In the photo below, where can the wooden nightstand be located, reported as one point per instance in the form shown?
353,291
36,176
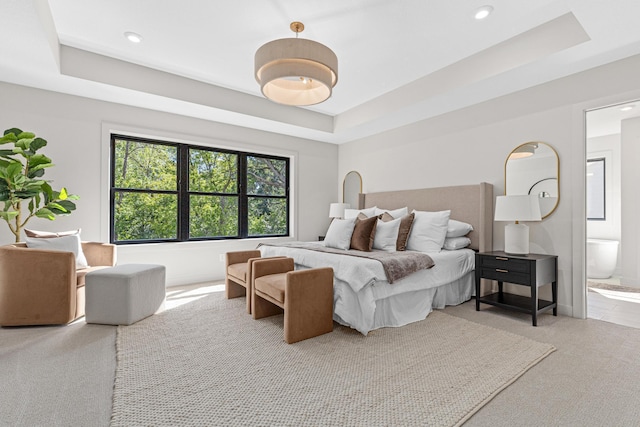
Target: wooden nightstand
533,270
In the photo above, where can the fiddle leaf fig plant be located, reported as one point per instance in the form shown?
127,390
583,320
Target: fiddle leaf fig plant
21,183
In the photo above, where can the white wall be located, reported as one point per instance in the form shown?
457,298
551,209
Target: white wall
630,241
424,158
77,130
608,147
471,145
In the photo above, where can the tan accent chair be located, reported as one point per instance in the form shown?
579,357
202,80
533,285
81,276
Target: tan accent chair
237,282
306,296
238,267
43,287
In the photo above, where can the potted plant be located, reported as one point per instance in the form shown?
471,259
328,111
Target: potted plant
21,171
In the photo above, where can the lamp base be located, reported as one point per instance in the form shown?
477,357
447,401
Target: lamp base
516,239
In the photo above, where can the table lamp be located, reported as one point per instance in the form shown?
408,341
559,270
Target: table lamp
336,210
517,208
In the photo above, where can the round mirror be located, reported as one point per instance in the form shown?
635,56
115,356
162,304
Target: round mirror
534,168
351,188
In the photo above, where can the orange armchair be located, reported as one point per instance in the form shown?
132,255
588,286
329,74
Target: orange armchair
43,287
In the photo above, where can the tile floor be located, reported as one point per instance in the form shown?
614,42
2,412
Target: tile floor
614,306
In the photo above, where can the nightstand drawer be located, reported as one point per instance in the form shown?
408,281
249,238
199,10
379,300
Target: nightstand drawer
505,263
531,270
502,275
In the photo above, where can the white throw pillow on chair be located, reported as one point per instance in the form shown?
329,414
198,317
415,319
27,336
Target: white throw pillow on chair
70,243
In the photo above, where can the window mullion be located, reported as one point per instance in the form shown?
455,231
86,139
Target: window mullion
183,193
243,204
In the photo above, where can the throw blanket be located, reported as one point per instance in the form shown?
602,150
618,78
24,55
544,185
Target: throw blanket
396,264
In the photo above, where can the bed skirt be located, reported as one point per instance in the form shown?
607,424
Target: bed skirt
405,308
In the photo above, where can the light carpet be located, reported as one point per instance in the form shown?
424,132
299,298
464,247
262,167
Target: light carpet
209,363
53,375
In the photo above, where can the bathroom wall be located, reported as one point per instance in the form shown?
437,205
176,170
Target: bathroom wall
630,242
609,148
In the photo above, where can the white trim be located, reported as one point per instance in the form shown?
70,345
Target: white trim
578,185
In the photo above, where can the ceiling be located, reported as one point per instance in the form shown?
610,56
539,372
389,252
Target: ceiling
399,61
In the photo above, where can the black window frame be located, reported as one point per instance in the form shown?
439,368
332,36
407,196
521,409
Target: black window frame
183,193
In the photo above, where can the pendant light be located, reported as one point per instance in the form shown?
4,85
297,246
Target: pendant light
295,71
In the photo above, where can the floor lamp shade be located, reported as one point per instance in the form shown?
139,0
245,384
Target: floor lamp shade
517,208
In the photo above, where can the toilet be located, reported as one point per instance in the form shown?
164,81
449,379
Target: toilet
602,257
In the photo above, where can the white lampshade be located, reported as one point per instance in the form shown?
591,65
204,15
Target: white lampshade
296,71
336,210
517,208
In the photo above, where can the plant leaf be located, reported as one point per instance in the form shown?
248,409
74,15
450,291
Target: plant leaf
63,194
24,143
14,170
37,144
23,135
10,135
56,208
36,173
47,192
39,159
45,213
67,205
8,216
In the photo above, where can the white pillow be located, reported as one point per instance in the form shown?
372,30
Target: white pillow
386,235
69,243
353,213
453,243
428,231
396,213
339,233
458,228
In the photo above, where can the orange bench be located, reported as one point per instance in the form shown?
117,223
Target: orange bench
305,296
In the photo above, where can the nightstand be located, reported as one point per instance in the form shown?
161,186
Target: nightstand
533,270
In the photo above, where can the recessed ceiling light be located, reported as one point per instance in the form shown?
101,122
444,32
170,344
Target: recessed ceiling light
627,108
133,37
483,12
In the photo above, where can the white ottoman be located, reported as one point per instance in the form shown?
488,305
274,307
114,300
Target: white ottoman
124,294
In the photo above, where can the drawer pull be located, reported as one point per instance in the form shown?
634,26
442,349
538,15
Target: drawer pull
502,258
501,270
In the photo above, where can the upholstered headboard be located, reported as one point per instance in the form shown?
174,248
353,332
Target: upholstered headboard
469,203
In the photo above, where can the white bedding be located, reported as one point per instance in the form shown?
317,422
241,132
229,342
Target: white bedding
364,299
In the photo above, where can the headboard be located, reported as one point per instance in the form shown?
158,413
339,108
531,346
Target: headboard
468,203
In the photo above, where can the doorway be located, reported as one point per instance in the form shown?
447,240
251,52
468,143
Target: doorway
613,295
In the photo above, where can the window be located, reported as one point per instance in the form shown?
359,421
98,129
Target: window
164,192
596,206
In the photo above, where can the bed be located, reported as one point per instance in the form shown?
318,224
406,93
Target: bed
363,297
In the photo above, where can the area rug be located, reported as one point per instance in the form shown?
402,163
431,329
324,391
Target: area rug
208,363
610,287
